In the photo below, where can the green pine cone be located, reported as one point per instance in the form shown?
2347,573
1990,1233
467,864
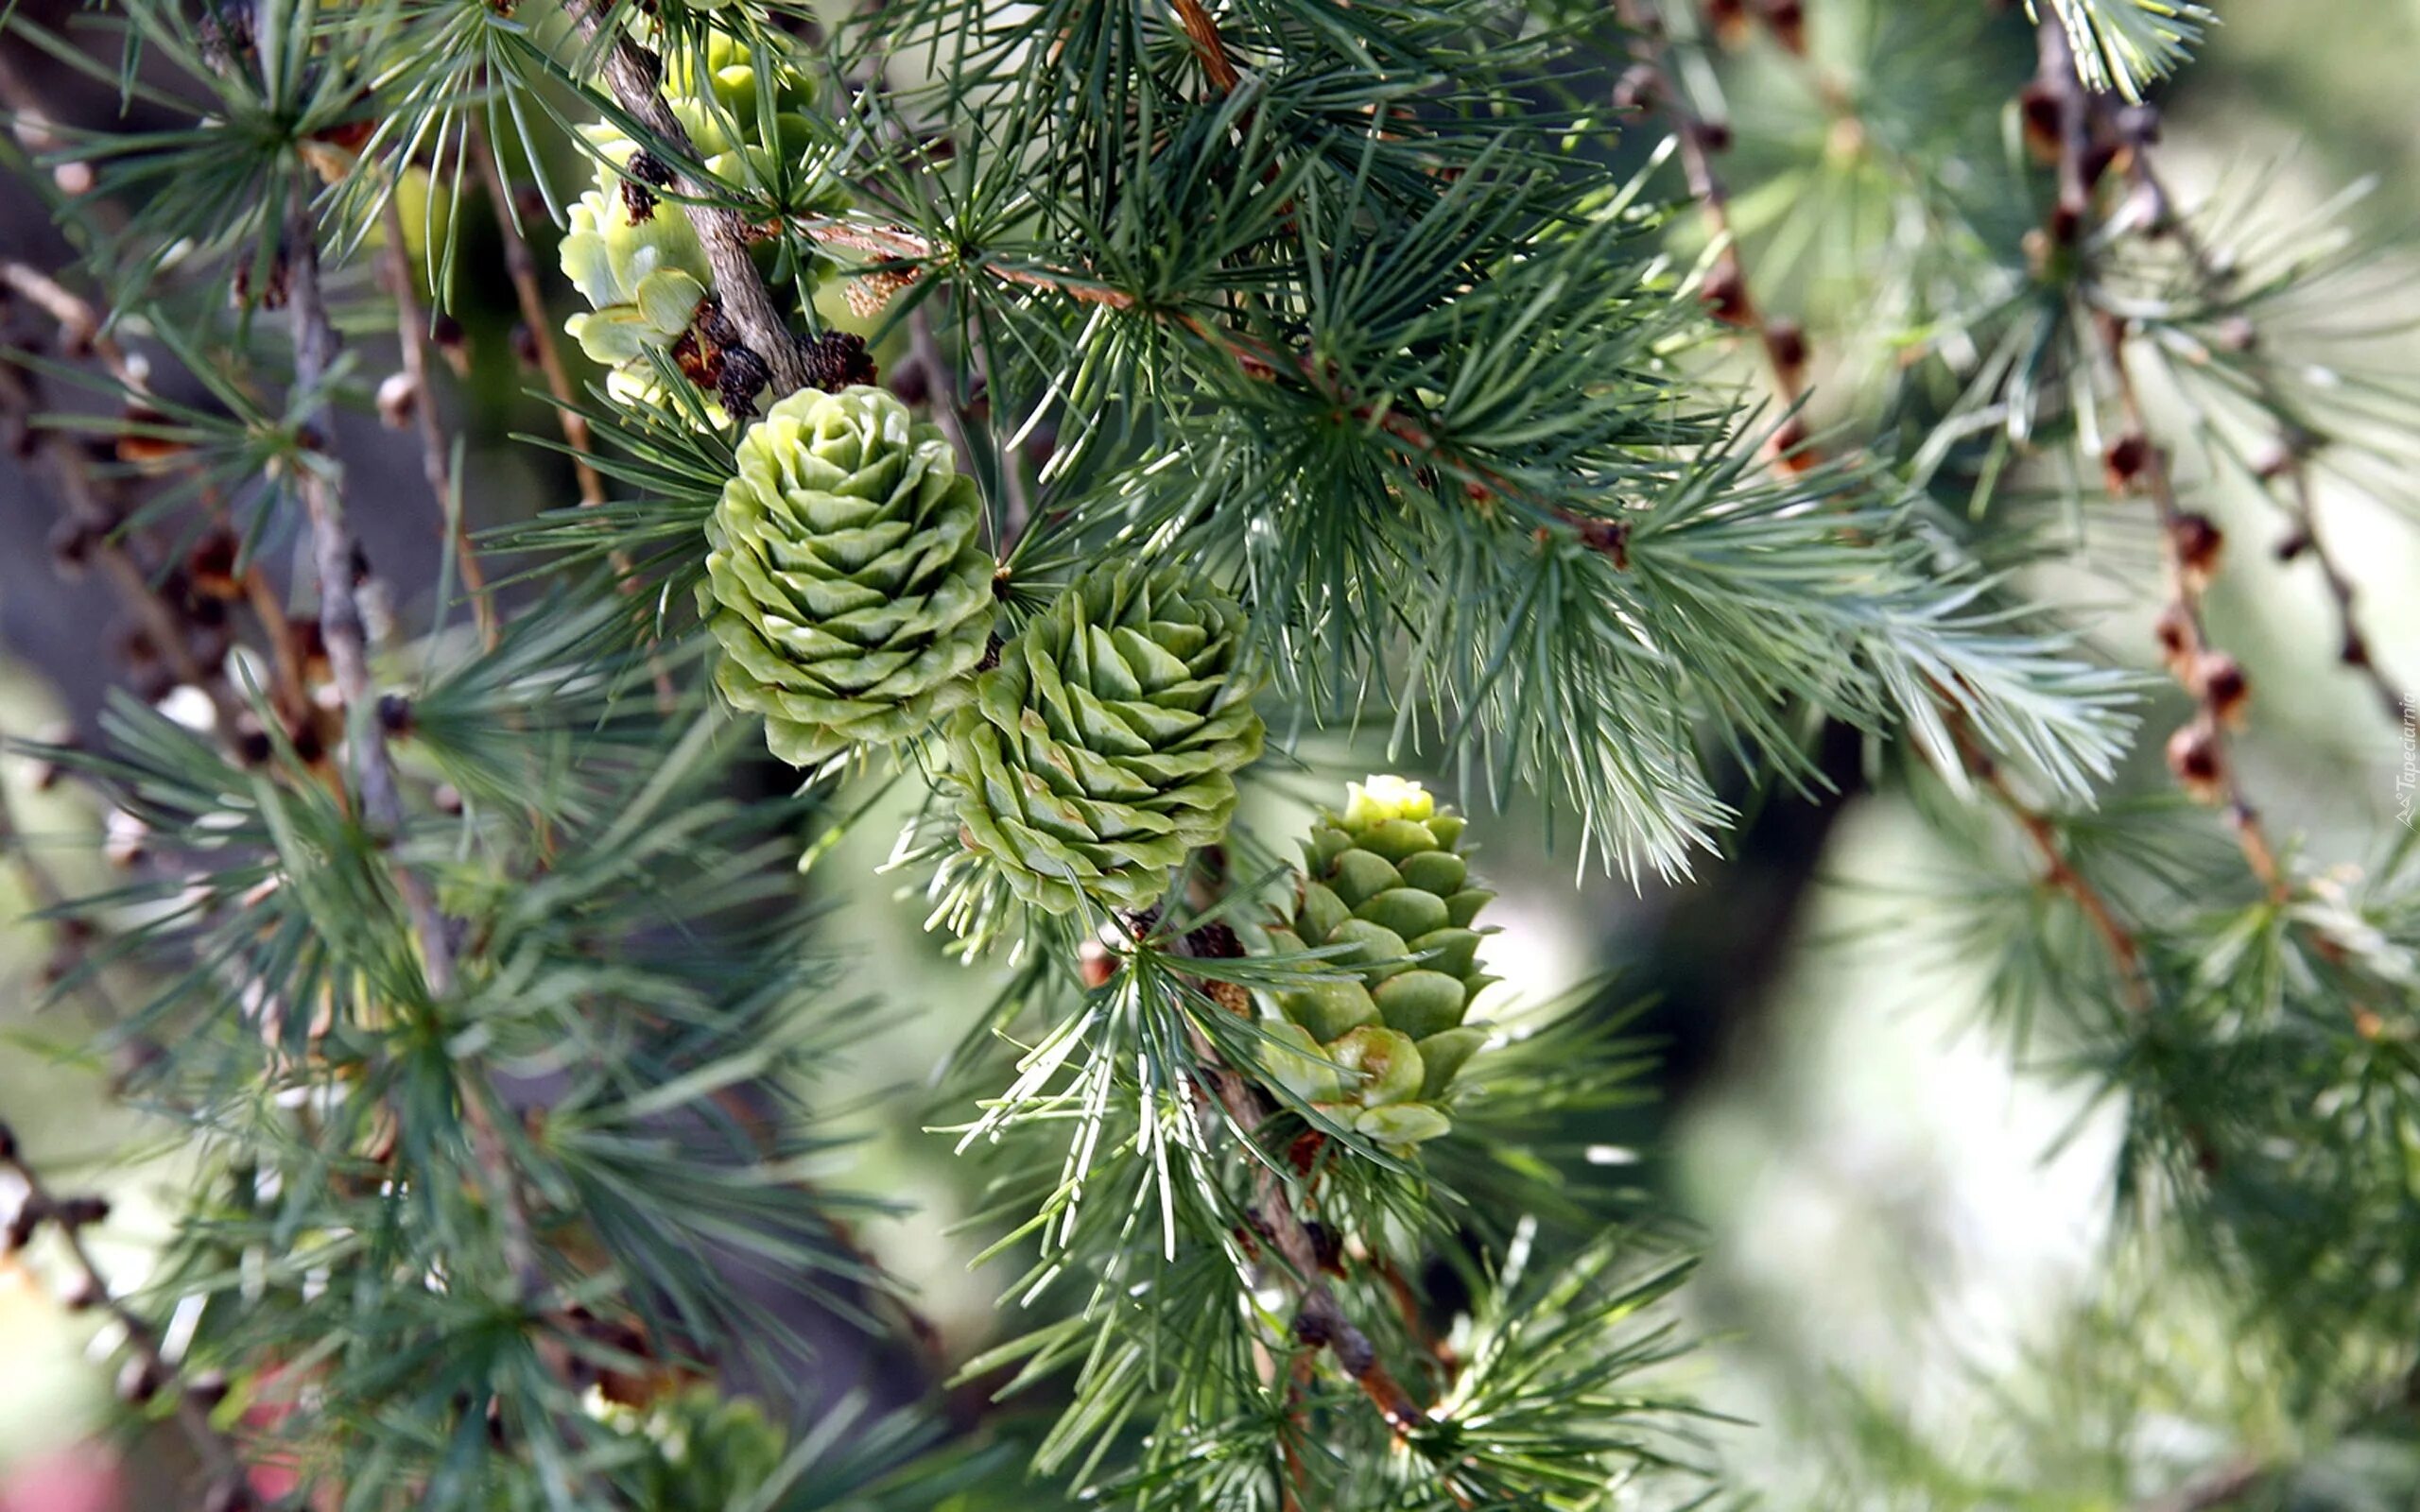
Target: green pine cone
645,279
845,581
1385,878
1104,745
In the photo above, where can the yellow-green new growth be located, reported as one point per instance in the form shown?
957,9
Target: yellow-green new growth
845,581
646,276
1385,880
1104,745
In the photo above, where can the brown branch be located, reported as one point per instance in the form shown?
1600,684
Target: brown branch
2297,445
630,74
2058,872
897,242
337,558
1653,84
1203,29
149,1372
2200,753
521,269
412,339
1319,1322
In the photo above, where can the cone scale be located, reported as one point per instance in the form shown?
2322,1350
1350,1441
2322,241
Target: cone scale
1384,882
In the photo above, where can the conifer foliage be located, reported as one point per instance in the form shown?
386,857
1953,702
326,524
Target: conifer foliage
1036,424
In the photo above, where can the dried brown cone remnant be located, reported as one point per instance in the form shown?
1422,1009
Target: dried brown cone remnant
2217,679
838,360
870,294
2198,762
2195,543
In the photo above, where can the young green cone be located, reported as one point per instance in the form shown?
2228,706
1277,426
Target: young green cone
1384,877
844,581
1104,745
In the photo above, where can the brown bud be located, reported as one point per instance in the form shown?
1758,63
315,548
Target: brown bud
1787,20
2123,462
1788,446
2200,765
2219,681
310,746
1094,966
1786,339
78,1212
1639,90
447,334
139,1380
524,345
140,444
2356,651
2177,638
2039,106
83,1294
1729,19
2198,544
73,543
448,799
398,396
210,566
1725,291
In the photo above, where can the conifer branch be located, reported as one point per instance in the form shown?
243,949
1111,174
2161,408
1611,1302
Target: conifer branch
1653,84
631,74
1320,1321
82,331
337,558
2190,544
435,456
2058,872
94,532
2296,446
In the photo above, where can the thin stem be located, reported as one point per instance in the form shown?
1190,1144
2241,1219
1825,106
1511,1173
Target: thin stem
521,269
2058,872
1319,1321
436,455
